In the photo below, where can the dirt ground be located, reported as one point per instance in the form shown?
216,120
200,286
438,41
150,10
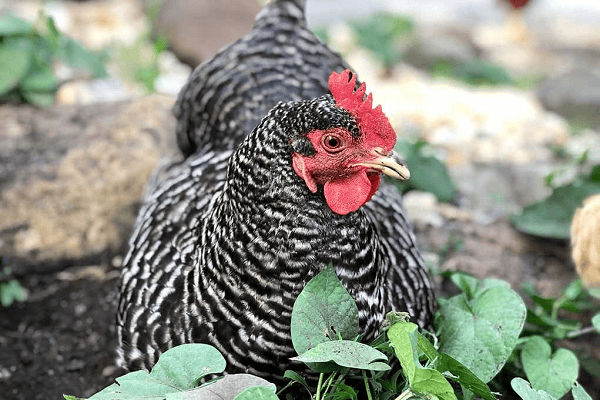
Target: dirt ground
62,340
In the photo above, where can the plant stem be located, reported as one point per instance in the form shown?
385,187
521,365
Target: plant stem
318,394
580,332
364,374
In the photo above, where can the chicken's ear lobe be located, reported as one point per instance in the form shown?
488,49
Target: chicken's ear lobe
300,168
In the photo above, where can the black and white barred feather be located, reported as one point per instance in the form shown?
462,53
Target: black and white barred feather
228,237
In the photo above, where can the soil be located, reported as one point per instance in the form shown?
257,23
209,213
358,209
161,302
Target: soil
62,339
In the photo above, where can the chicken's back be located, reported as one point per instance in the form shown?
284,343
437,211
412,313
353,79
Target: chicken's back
227,96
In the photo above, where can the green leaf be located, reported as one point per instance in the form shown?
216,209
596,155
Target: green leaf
574,289
42,80
432,382
15,61
178,369
551,218
405,347
481,72
10,292
579,392
40,99
427,173
257,393
381,33
76,55
464,376
481,334
11,25
226,388
427,348
323,311
296,377
523,389
596,322
554,374
346,353
183,366
465,282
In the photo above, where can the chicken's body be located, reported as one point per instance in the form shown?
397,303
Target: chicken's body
227,239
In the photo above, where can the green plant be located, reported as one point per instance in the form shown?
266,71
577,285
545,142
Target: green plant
480,337
427,173
139,62
10,290
474,72
28,53
551,217
382,34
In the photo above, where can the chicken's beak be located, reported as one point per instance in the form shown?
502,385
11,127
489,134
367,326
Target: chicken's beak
390,164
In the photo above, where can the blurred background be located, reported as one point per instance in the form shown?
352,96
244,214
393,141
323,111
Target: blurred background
497,110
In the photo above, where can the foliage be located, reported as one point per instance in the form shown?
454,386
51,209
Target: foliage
427,173
28,53
551,217
552,374
477,72
484,334
139,62
383,33
10,290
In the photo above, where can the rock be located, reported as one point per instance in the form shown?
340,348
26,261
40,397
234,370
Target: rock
95,91
432,47
497,190
197,29
575,95
421,207
71,177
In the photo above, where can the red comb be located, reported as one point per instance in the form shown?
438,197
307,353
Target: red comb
373,123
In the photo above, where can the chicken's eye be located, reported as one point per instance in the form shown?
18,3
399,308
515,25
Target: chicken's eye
333,143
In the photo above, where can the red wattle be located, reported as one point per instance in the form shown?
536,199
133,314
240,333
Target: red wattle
346,195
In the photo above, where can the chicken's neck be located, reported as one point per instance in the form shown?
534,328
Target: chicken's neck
268,228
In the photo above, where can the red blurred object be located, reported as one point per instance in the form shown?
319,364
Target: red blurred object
517,4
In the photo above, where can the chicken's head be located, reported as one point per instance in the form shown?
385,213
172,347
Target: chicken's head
348,163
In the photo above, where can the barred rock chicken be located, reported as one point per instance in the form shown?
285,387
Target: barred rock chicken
281,176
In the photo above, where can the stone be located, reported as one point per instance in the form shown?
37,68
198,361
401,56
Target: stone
421,207
496,190
71,177
433,46
197,29
574,95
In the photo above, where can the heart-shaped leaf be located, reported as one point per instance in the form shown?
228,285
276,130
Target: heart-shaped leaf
346,353
228,388
323,311
11,25
482,333
524,389
554,374
15,59
178,369
257,393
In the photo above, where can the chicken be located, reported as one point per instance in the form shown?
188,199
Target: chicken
281,176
